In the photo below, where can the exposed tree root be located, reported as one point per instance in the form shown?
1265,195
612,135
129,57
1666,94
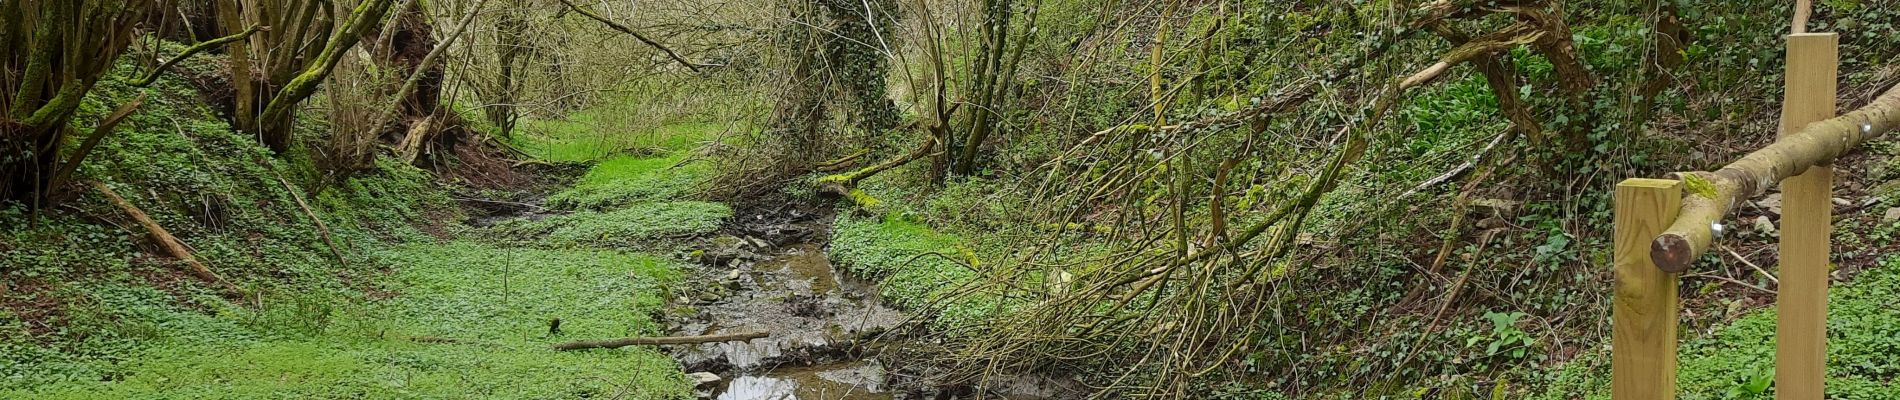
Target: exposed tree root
1483,46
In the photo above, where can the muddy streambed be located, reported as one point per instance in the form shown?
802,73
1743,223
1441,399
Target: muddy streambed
767,271
775,277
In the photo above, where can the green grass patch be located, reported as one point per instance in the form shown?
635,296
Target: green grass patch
628,227
1737,361
298,346
916,266
640,222
626,180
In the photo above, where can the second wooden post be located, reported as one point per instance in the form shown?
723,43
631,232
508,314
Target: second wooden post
1806,221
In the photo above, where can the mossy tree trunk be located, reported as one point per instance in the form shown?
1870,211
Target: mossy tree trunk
994,78
275,119
282,66
57,51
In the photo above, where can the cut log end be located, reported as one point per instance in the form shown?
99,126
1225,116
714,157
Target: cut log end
1672,253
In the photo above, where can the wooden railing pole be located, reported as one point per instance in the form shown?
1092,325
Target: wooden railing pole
1806,222
1643,343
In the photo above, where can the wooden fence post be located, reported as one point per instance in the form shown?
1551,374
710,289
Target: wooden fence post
1643,343
1806,221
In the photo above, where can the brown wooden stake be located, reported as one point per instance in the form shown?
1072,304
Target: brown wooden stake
165,239
623,342
1643,358
1802,9
1806,220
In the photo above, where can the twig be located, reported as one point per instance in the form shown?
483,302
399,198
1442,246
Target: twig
1751,264
623,342
1731,280
321,227
636,35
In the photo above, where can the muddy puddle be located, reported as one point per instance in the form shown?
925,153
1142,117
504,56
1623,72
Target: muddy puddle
822,325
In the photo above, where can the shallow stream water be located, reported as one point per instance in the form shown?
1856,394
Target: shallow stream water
821,323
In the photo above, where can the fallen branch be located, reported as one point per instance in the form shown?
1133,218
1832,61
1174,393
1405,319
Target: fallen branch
842,163
1459,170
321,227
195,49
524,206
1711,195
445,340
652,341
846,184
165,239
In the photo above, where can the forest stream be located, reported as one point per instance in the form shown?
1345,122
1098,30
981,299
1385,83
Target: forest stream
827,327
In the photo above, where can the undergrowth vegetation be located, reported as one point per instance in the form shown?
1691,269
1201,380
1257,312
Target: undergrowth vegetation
466,320
87,313
1202,199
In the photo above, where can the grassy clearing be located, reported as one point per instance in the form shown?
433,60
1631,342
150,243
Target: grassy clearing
498,299
628,227
626,180
86,314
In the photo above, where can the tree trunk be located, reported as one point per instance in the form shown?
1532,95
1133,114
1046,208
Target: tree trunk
499,107
45,40
244,99
275,120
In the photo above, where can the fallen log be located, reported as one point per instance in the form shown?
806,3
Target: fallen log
846,184
659,340
1711,195
165,239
